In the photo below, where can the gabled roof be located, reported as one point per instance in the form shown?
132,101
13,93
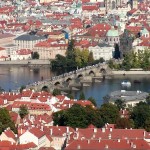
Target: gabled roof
37,132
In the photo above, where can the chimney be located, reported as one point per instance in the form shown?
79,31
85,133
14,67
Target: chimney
21,130
67,129
144,134
76,129
41,128
95,130
51,131
134,146
106,146
109,136
78,147
110,129
103,130
69,105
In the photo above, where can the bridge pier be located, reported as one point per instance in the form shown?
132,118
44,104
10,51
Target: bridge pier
75,79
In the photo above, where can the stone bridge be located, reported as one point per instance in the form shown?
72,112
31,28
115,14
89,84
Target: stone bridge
74,79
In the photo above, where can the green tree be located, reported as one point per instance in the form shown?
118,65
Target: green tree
140,115
70,95
78,117
56,92
35,55
94,117
120,104
147,124
148,99
93,101
127,62
111,63
5,121
22,88
123,123
90,58
101,60
109,113
117,52
82,96
1,89
59,118
23,111
81,57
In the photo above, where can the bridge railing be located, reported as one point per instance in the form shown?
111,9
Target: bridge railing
54,78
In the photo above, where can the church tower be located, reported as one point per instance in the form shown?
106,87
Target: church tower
134,4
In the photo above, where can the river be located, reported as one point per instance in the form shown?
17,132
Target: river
12,77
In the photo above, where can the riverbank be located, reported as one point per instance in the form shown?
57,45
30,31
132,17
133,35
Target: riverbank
131,72
26,62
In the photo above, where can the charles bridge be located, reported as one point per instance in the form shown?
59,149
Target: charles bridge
74,80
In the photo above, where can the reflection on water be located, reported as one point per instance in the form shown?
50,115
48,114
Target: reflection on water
12,77
16,76
99,90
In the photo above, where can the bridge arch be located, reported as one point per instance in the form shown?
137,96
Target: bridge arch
45,88
80,76
92,73
57,83
68,79
103,70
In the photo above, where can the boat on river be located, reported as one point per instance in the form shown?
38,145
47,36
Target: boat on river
126,83
137,81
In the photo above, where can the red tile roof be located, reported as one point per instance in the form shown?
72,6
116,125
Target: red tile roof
24,52
37,132
108,144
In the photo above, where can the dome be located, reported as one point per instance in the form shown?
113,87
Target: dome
112,32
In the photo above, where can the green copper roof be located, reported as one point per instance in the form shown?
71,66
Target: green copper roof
112,32
144,31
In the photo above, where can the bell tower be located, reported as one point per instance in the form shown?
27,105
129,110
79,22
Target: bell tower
134,4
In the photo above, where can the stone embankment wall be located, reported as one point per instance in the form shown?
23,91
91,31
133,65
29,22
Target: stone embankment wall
26,62
131,72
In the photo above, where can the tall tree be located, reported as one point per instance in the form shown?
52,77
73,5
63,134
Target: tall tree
35,55
5,121
82,96
109,113
56,92
140,115
123,123
117,52
93,101
78,117
23,111
120,104
90,58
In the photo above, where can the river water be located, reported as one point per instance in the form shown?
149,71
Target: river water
12,77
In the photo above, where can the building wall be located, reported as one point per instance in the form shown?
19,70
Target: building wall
104,52
25,44
39,112
58,142
50,52
3,137
112,40
27,137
